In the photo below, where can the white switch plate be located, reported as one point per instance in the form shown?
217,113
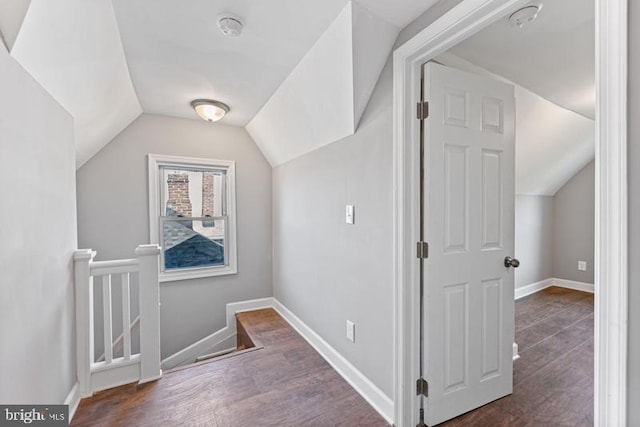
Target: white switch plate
351,331
582,265
349,214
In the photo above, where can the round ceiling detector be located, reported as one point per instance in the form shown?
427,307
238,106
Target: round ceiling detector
525,15
230,25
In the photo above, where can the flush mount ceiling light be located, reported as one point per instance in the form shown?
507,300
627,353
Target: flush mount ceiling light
525,15
210,110
230,25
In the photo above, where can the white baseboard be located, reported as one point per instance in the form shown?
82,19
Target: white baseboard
572,284
372,394
516,356
249,305
190,353
523,291
73,400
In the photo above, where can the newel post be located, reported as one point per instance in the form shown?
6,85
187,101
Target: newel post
84,318
148,261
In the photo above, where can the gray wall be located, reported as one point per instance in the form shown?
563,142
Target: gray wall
326,271
554,233
574,225
38,238
534,239
634,215
113,217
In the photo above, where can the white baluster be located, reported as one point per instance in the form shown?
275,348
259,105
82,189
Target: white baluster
107,315
126,317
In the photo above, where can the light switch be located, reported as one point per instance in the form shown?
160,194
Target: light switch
582,265
351,331
350,214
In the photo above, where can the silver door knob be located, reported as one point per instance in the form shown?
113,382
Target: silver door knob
511,262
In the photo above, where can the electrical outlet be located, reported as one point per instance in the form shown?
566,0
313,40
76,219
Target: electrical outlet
351,331
350,214
582,265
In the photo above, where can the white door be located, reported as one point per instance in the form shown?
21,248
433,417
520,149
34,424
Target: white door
469,225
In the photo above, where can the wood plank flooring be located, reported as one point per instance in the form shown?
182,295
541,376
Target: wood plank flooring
553,379
286,383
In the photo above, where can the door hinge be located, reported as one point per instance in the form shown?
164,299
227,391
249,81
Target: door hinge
422,387
422,110
422,250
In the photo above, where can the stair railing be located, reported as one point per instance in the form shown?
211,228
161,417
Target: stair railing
114,371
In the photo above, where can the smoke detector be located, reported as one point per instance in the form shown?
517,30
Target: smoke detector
525,15
230,25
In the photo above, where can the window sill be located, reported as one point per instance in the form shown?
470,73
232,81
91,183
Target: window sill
196,274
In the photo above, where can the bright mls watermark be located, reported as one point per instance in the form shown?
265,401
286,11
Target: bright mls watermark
34,415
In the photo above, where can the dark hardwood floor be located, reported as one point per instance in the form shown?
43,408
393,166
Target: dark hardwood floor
286,383
553,379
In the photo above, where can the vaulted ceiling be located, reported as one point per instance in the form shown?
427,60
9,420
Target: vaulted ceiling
297,63
552,63
107,61
554,56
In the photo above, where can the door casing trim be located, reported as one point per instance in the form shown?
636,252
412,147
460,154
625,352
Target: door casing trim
611,225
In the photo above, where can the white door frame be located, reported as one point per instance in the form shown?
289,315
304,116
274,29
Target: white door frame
611,281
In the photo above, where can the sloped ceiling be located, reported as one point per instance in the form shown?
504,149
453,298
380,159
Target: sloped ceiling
73,49
106,61
323,98
12,14
176,52
552,63
554,56
552,143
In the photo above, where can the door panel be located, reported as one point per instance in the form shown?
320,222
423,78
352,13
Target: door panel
456,327
455,198
469,224
492,222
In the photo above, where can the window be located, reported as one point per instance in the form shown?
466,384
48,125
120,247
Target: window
192,216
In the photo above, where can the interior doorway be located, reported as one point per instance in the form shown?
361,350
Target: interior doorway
458,24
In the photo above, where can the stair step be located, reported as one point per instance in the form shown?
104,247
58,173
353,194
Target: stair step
244,343
216,354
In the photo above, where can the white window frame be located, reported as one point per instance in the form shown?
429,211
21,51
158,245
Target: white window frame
155,162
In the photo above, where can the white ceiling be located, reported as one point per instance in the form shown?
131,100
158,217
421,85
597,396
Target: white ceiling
106,61
551,63
11,16
73,49
176,52
397,12
330,85
553,56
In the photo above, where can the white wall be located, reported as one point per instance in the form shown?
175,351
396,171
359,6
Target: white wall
113,217
574,226
634,216
38,237
534,239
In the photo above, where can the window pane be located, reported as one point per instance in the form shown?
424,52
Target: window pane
192,192
189,243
